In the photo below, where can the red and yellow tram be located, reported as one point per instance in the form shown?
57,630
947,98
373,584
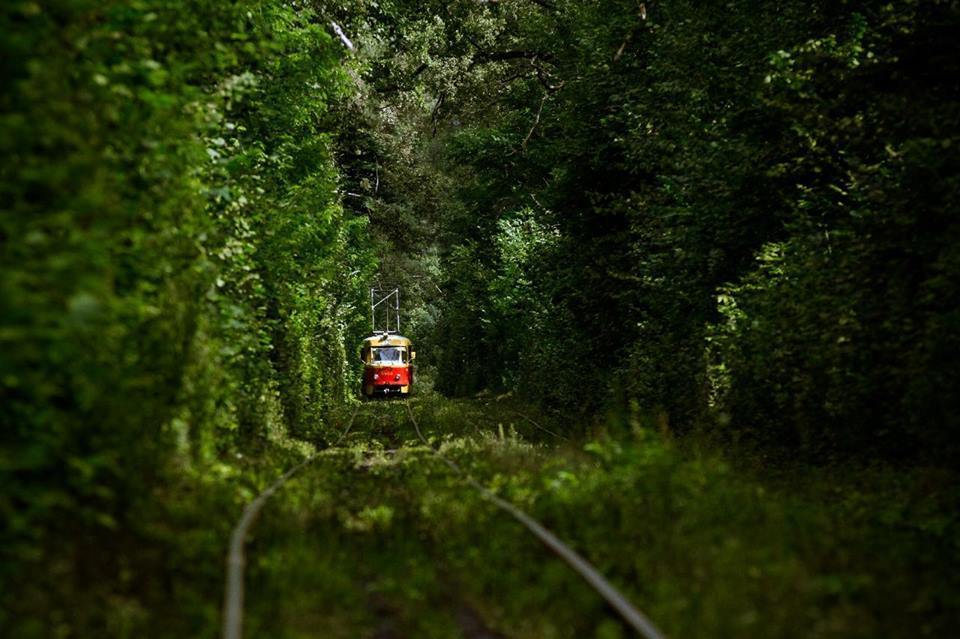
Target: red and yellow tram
387,365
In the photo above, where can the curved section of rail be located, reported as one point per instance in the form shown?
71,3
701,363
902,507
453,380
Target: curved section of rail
233,597
634,618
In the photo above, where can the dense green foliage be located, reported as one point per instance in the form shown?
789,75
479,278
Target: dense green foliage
177,275
732,212
664,225
383,540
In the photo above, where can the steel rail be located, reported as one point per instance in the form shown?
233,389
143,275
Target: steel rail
536,424
634,618
236,562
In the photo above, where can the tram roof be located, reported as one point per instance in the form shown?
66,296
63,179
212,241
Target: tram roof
387,339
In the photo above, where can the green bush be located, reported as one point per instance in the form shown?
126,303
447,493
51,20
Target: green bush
176,276
842,337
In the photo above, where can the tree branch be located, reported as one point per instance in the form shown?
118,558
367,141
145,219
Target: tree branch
343,36
629,36
436,111
405,86
486,57
543,78
536,121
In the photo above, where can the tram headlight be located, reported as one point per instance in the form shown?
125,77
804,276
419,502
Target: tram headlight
376,376
396,377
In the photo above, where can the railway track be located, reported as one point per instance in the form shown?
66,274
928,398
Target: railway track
236,561
234,593
630,614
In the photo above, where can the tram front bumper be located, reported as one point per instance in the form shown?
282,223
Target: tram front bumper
386,389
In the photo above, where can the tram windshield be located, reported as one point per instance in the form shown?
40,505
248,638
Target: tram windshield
390,355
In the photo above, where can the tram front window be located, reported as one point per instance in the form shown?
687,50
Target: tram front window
390,355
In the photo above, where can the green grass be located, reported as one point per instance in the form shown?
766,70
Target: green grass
378,538
371,538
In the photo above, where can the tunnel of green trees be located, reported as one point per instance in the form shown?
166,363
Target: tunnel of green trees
732,223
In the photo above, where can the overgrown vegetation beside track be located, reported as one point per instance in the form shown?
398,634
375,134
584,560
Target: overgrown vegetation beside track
177,285
378,538
382,537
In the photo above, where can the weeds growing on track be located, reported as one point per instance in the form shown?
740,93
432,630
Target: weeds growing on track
382,540
379,539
